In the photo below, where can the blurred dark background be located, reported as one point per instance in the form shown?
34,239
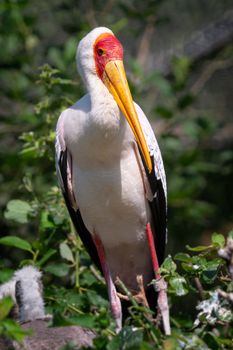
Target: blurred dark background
178,57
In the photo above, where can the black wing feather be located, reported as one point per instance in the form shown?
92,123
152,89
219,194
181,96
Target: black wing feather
158,208
76,215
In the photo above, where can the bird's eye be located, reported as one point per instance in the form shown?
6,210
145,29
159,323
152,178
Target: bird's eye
100,52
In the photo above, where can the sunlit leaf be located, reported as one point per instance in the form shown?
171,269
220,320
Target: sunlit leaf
18,211
168,266
45,221
199,248
178,284
183,257
13,330
59,270
218,239
66,252
6,305
16,242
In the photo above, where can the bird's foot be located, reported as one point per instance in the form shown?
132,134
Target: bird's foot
140,296
123,296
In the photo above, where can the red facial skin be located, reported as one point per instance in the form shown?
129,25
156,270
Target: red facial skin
106,48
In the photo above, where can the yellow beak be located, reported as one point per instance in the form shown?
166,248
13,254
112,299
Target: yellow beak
115,80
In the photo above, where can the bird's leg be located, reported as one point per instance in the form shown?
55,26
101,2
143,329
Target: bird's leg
161,285
112,293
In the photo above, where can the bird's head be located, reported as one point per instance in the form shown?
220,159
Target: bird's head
100,56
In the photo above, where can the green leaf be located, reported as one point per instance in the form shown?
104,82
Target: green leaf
88,279
168,266
6,305
181,67
211,340
59,270
13,330
224,313
96,299
87,320
162,83
164,112
127,339
187,267
16,242
183,257
218,239
185,101
199,248
6,274
66,252
178,285
45,221
211,271
18,211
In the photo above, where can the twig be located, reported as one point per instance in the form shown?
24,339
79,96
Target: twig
199,288
126,291
145,43
96,274
228,296
208,73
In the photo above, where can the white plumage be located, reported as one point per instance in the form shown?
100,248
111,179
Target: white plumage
102,174
25,288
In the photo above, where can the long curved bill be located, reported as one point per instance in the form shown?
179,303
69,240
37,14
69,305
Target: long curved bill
115,79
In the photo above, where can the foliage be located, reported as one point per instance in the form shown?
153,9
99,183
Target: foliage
8,327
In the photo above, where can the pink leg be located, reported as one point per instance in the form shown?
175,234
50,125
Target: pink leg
114,299
161,285
153,254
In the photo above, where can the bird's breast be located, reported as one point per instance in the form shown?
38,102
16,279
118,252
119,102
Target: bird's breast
112,200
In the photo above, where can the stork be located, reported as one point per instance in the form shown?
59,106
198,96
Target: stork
111,173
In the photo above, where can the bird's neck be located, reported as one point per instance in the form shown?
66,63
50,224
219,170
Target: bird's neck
106,116
106,126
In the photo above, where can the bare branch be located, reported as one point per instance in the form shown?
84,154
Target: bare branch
144,45
199,287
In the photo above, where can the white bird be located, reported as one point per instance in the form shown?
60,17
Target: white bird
111,172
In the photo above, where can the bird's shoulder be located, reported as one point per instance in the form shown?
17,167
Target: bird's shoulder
77,110
68,119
